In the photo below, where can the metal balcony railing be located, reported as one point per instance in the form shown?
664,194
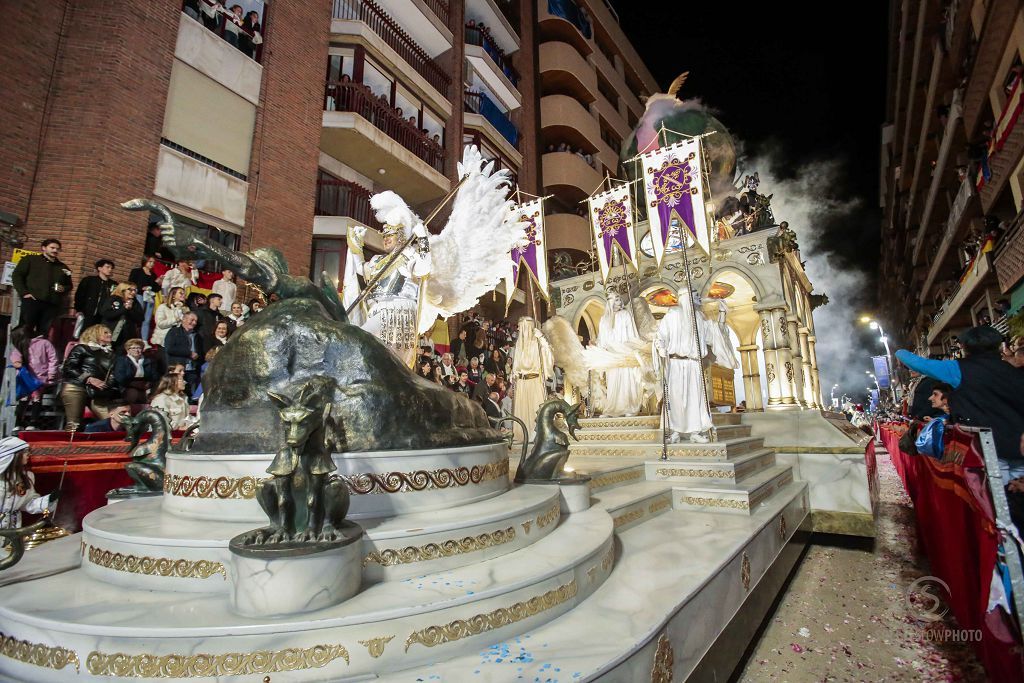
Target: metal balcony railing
476,36
339,197
371,14
359,99
479,103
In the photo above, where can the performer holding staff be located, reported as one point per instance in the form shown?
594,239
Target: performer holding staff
680,345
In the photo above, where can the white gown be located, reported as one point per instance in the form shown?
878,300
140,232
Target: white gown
624,386
677,346
721,345
532,365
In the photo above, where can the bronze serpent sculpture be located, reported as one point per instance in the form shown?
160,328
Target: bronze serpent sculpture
546,462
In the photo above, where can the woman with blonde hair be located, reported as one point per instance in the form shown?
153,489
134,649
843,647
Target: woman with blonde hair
169,314
122,314
169,399
87,375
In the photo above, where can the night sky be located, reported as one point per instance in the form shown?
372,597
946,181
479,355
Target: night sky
784,78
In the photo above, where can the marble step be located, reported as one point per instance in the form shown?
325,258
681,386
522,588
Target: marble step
650,421
634,503
728,472
650,435
388,626
608,473
716,450
132,544
742,498
678,580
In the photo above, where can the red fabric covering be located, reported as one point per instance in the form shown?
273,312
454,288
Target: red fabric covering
95,465
956,526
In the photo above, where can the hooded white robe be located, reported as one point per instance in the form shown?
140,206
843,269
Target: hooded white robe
624,386
687,404
532,366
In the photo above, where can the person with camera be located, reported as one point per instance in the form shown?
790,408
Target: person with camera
42,281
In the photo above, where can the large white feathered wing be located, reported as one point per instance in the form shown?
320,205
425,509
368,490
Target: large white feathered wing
471,255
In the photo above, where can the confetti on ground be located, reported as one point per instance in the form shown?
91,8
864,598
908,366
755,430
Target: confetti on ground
846,606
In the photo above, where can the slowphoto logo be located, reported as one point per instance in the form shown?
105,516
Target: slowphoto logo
925,598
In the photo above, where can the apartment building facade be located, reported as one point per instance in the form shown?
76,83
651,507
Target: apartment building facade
952,169
283,144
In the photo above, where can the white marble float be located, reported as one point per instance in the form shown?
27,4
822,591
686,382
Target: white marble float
223,487
135,545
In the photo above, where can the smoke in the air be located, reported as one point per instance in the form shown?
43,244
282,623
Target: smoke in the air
828,226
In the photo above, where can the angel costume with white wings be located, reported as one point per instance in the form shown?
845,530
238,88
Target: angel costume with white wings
425,276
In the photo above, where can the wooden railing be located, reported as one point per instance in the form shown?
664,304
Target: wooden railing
371,14
476,36
339,197
357,98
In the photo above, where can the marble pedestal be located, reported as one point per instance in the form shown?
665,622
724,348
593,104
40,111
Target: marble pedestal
274,582
574,494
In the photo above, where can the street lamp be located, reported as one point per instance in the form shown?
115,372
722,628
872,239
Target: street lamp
875,379
882,337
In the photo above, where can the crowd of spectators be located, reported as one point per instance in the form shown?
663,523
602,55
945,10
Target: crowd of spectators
243,30
478,363
578,151
144,341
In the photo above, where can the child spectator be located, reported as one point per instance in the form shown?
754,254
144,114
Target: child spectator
38,356
17,485
169,314
170,400
227,289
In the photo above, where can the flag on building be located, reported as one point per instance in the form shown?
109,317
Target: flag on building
531,252
611,218
675,195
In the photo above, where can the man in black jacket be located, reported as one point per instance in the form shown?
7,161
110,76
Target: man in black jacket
94,291
184,345
483,389
41,281
491,406
210,314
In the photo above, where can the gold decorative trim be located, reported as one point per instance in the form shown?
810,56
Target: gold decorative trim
782,526
591,574
659,505
745,571
371,483
187,486
37,654
716,502
609,557
433,636
425,480
526,526
390,557
690,472
603,480
121,665
625,435
552,515
155,566
375,646
650,421
646,450
627,518
664,661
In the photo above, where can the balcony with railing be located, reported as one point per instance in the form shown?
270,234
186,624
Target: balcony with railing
395,37
480,103
340,197
952,312
957,212
481,37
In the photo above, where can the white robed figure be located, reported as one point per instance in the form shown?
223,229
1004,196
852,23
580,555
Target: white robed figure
676,345
17,495
532,366
718,338
424,276
623,385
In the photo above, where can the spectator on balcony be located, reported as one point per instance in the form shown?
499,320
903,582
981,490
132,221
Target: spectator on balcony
476,373
181,275
213,12
37,355
459,349
41,280
233,25
122,315
217,336
227,289
984,393
185,346
169,314
87,376
191,8
94,291
425,369
195,301
211,314
250,37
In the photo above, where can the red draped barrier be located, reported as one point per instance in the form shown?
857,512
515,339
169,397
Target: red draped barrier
95,464
957,530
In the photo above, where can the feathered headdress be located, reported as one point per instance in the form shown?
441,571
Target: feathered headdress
396,216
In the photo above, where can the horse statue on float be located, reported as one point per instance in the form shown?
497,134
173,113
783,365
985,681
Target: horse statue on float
546,462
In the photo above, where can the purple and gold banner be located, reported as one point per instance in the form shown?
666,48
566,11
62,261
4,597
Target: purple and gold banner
531,252
611,219
675,195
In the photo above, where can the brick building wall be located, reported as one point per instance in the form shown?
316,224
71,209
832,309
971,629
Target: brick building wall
111,70
286,143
